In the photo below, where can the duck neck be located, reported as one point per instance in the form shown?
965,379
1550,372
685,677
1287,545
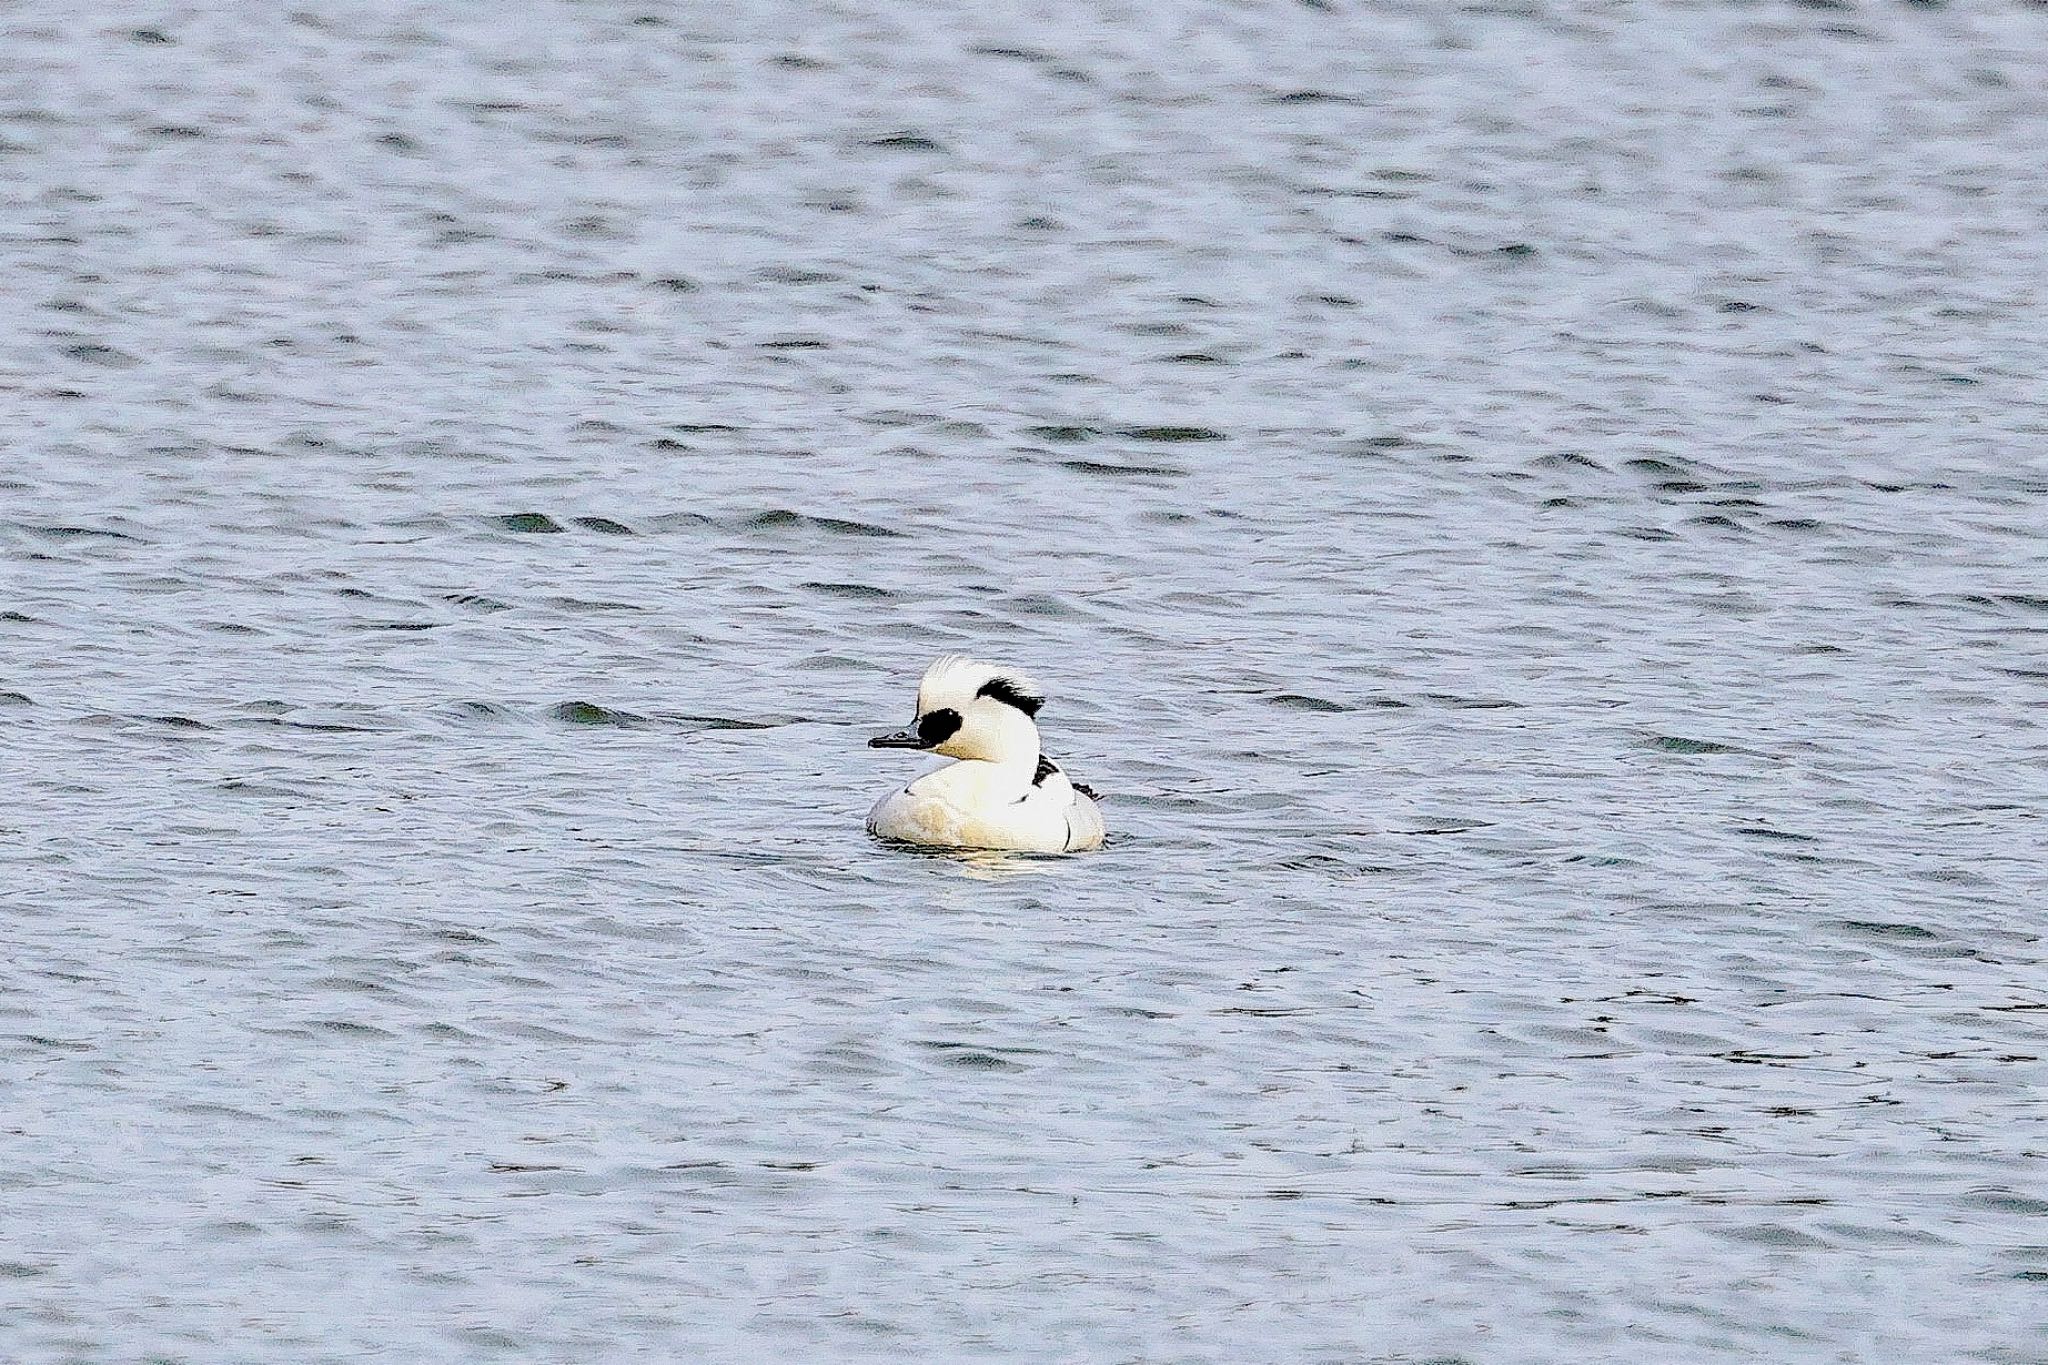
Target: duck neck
1012,743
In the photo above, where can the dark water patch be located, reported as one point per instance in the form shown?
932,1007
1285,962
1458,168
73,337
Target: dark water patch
1299,701
15,699
1504,251
327,726
895,418
1568,459
1782,835
1657,468
857,592
340,719
680,521
1889,930
470,601
482,710
591,714
969,1057
1381,443
353,1028
44,1041
694,722
1035,56
595,226
604,526
2006,1200
95,353
527,523
1676,744
796,344
1044,606
1745,1056
586,605
905,142
256,787
78,533
1776,1236
1122,471
790,274
1457,703
2003,602
1062,432
1313,97
674,284
780,518
1171,434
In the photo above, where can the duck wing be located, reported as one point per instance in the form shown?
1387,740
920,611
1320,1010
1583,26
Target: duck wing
1046,768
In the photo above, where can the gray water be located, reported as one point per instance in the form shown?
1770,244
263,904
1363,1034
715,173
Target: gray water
1532,513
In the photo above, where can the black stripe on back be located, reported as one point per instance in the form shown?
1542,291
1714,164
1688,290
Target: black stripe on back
1046,768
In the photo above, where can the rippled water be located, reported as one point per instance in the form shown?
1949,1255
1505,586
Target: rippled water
1533,513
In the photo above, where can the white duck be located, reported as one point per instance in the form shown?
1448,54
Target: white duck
1003,792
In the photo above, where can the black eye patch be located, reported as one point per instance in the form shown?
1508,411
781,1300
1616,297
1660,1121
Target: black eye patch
936,727
1003,690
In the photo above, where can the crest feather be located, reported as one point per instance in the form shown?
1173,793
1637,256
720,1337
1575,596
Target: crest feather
955,680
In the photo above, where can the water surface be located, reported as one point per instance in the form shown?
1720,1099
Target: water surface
1533,513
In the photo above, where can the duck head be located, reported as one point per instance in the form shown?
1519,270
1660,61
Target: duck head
972,710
